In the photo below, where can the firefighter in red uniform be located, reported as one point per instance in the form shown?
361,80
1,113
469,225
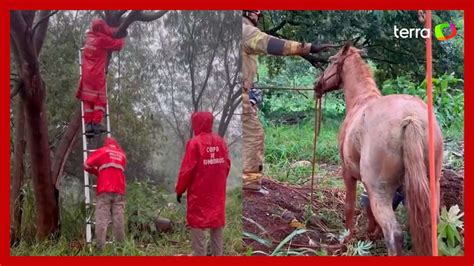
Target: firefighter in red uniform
108,164
99,42
203,175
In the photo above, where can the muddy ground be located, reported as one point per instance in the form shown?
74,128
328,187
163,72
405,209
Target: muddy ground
268,216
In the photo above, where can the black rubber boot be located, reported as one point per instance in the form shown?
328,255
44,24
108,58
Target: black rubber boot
98,129
89,130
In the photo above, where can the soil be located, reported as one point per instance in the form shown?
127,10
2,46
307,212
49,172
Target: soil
452,189
268,216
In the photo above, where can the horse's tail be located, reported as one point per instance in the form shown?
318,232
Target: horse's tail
416,188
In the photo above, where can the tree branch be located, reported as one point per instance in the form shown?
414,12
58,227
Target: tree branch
42,26
44,15
29,17
278,27
138,15
150,16
18,27
65,146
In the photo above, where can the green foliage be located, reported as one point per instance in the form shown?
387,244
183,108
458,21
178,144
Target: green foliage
394,57
448,96
282,149
143,202
297,73
281,251
360,248
28,219
287,107
450,241
260,240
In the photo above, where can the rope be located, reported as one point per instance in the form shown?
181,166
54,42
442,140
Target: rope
317,127
285,89
432,174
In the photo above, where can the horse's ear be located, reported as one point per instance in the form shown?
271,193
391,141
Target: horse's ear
346,47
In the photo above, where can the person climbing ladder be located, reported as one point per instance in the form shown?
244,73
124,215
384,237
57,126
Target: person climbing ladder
100,40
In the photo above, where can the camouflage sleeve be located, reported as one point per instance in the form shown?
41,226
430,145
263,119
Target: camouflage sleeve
258,42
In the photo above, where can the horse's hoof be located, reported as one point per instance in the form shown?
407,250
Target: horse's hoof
374,235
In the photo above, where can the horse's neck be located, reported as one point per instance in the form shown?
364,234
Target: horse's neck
359,85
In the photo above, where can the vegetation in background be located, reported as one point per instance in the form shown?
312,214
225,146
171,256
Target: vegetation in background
398,66
450,240
144,202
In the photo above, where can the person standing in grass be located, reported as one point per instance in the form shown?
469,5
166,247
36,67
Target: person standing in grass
256,42
108,164
203,175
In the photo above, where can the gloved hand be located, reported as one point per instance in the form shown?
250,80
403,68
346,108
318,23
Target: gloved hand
317,48
178,197
255,96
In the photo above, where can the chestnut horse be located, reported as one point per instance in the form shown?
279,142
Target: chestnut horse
383,143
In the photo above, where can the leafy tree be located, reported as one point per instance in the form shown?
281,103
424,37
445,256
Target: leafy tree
29,31
374,31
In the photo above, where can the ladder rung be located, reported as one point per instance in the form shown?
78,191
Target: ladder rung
90,204
105,115
102,132
91,150
91,186
90,222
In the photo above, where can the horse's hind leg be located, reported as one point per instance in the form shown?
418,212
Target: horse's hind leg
381,204
351,185
373,229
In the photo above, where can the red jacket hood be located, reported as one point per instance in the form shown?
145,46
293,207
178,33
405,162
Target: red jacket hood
111,142
99,25
202,122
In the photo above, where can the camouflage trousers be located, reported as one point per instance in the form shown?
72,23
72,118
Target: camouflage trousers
253,145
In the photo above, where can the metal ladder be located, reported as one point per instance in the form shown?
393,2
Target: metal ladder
88,187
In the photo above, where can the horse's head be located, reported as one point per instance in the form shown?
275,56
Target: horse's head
331,78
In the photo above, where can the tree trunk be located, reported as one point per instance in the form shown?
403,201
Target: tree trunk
18,172
38,147
27,40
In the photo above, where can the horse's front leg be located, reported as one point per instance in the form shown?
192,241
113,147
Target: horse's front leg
351,185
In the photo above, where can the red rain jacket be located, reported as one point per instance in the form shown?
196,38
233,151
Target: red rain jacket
98,43
203,174
108,163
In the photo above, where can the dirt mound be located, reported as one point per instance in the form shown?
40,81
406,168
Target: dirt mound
269,216
452,189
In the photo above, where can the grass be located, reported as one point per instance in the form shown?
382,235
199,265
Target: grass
287,144
138,243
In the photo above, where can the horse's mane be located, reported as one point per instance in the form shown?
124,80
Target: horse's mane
365,79
364,76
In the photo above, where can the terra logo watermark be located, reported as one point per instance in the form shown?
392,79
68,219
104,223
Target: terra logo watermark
405,33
